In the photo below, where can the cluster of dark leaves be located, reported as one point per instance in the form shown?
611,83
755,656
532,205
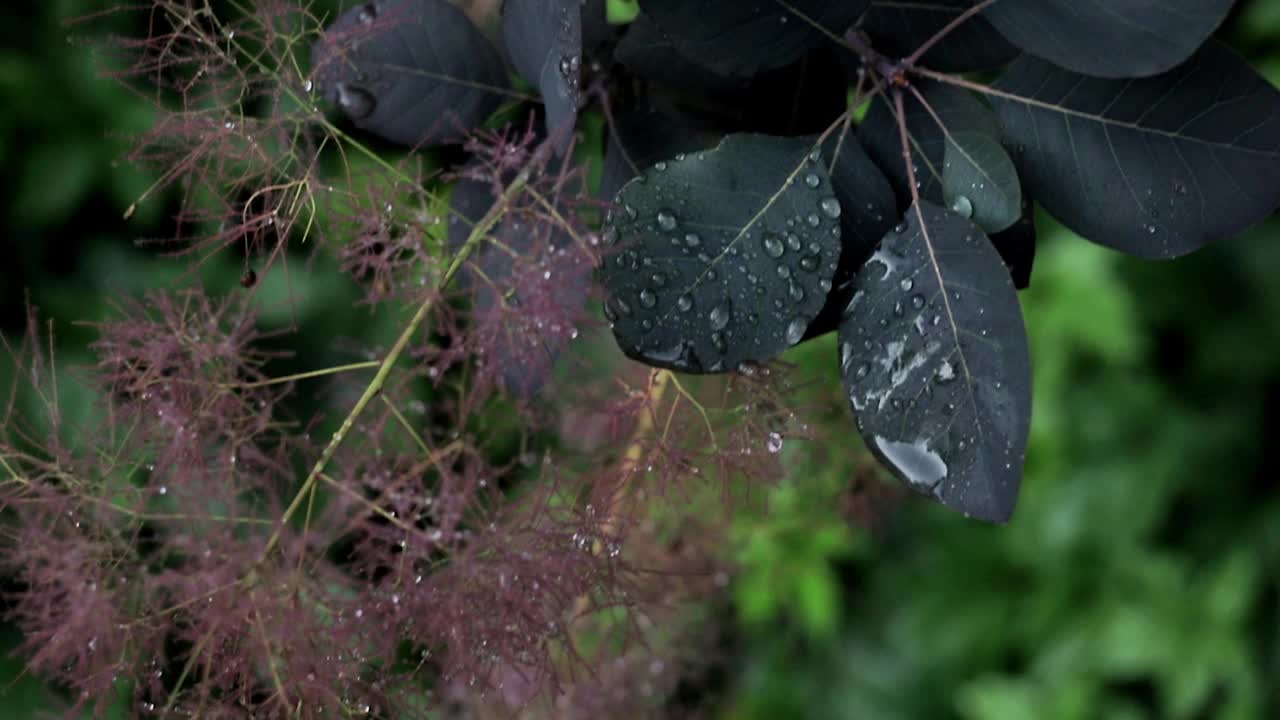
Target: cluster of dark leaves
752,212
746,209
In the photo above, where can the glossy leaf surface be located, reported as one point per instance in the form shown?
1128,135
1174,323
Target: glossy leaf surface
1156,167
933,353
743,37
1109,38
415,72
723,257
544,38
980,182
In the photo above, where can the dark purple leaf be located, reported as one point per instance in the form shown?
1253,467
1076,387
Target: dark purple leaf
1156,167
416,72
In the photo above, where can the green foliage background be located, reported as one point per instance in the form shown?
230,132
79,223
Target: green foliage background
1139,578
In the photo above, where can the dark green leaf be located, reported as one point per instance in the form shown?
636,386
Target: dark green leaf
898,27
722,257
1109,38
544,38
411,71
959,110
1156,167
934,357
742,37
980,182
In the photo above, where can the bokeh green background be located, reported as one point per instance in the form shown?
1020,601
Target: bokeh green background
1139,578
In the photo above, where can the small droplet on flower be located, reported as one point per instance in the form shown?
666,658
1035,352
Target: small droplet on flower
774,443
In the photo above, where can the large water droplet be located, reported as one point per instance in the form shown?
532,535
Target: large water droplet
692,240
684,303
795,331
920,466
812,180
809,263
962,206
647,298
356,102
720,315
680,356
831,207
666,220
946,373
773,245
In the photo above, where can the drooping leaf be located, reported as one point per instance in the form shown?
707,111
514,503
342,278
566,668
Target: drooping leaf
1109,38
898,27
724,257
869,210
933,353
411,71
980,182
638,139
743,37
960,110
1017,244
544,38
1156,167
525,289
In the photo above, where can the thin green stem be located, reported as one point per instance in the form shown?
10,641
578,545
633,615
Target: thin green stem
397,349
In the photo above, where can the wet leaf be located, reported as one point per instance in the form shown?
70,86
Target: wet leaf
898,27
1115,38
722,257
959,110
638,139
980,182
544,38
1156,167
415,72
743,37
933,353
